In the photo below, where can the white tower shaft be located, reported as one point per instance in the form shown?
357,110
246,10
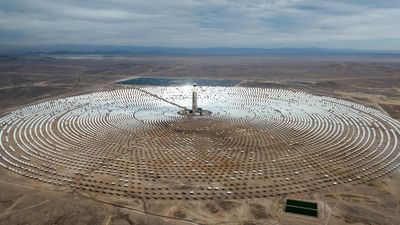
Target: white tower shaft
194,99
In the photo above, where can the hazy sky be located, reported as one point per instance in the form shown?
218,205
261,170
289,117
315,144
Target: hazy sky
361,24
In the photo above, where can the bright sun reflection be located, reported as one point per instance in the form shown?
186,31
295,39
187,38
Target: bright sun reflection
187,88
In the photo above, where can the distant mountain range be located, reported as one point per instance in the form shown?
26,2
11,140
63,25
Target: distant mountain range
110,50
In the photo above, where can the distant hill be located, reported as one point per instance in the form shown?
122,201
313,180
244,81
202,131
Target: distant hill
110,50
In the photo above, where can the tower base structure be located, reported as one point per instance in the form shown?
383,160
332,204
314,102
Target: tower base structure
197,112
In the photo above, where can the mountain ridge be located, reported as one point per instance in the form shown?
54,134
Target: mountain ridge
63,49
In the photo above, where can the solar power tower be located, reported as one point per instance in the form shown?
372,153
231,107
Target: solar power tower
194,98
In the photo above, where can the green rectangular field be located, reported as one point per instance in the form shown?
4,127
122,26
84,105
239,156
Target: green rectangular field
302,204
301,211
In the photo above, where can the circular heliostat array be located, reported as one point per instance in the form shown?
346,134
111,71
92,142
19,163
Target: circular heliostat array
255,143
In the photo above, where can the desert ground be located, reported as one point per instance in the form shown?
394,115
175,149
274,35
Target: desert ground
373,82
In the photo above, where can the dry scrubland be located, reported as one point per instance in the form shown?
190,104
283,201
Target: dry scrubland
370,81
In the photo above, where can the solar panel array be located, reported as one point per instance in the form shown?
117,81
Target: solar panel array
256,143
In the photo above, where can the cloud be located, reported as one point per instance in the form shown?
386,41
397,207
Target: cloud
203,23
